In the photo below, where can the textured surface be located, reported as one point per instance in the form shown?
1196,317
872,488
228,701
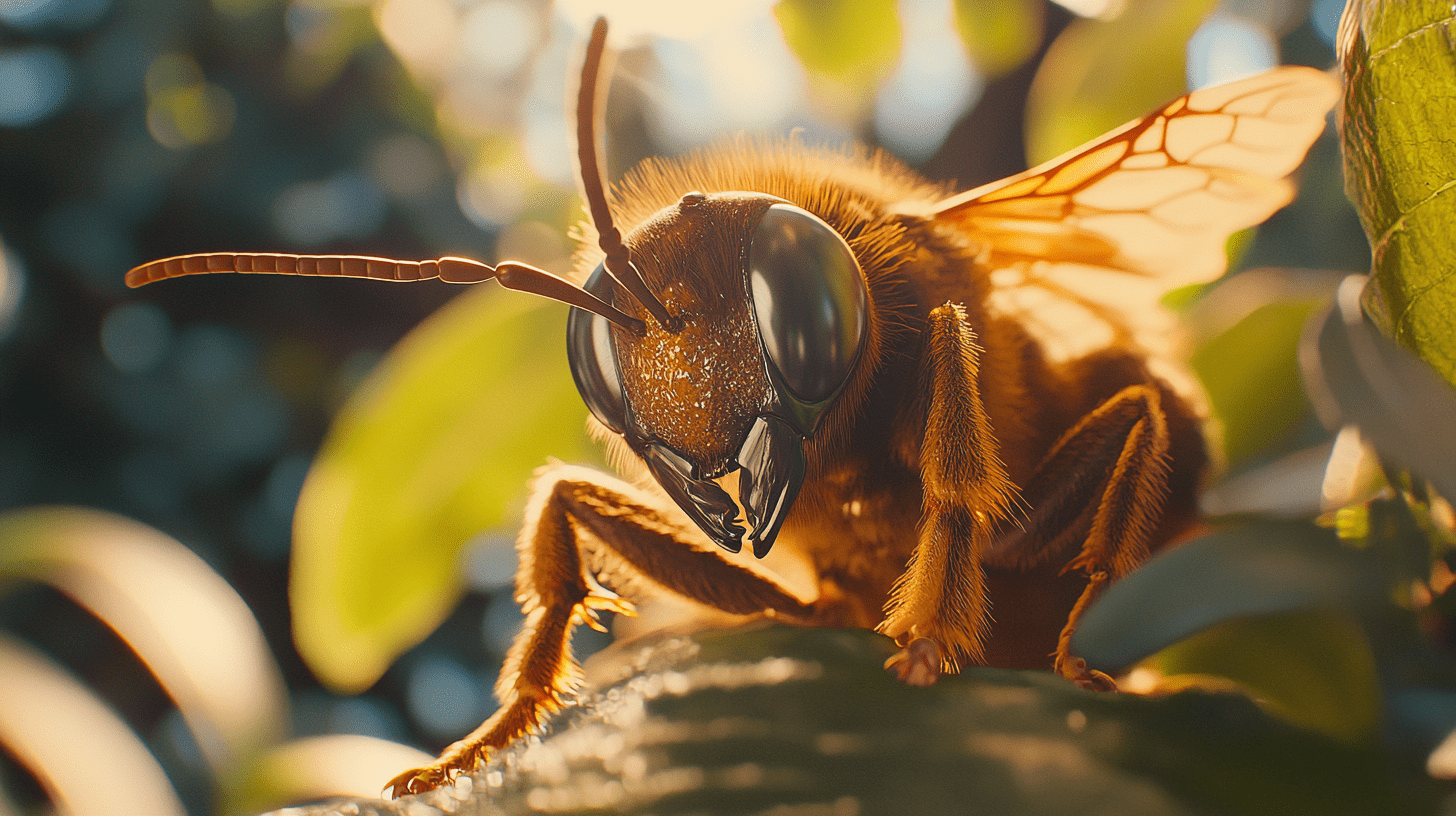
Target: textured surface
794,721
1400,165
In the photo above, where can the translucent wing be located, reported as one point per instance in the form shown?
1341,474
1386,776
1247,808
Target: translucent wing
1082,247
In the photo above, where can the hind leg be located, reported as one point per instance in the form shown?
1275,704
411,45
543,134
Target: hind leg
1107,476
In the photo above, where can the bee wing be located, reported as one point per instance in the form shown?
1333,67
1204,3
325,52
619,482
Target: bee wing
1082,248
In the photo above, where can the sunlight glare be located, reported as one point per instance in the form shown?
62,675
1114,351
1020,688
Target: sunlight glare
546,135
1100,9
1226,48
423,32
635,20
498,35
931,86
735,78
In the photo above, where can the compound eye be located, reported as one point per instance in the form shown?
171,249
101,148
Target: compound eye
593,358
809,298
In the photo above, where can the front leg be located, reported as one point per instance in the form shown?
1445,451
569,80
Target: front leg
581,522
938,610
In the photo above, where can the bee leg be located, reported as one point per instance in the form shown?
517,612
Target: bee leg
938,610
632,537
1106,478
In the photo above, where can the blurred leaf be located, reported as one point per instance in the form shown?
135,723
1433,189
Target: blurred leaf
1400,170
1100,74
319,767
182,619
1399,533
787,720
1289,487
1000,34
1400,405
87,759
1251,374
436,446
853,42
1250,569
1313,667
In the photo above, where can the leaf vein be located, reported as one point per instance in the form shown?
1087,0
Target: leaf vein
1402,323
1410,35
1398,224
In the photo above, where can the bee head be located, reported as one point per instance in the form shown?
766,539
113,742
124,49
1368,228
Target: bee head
731,322
769,313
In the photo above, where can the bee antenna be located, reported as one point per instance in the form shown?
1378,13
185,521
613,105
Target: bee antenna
510,274
619,258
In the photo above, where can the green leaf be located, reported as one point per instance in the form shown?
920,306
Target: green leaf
1251,569
807,721
852,42
1000,34
1251,374
1099,74
1400,165
436,446
1313,667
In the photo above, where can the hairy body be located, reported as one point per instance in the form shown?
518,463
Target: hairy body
858,517
959,415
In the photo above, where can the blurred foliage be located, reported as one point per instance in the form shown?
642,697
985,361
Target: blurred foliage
1399,403
195,636
1241,367
1000,34
1083,90
427,453
1325,678
853,42
755,721
196,406
1400,100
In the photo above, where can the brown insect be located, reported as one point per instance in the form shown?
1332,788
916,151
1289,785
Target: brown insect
932,400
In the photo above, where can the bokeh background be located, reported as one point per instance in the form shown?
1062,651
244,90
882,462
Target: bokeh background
137,129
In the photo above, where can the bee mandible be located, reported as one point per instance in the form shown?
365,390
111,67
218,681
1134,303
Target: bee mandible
931,400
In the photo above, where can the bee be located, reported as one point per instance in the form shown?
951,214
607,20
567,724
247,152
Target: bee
935,401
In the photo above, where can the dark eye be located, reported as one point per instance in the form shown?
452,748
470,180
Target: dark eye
809,298
593,358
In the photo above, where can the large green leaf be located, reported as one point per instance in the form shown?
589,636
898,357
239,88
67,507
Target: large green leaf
436,446
807,721
1099,74
1400,165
